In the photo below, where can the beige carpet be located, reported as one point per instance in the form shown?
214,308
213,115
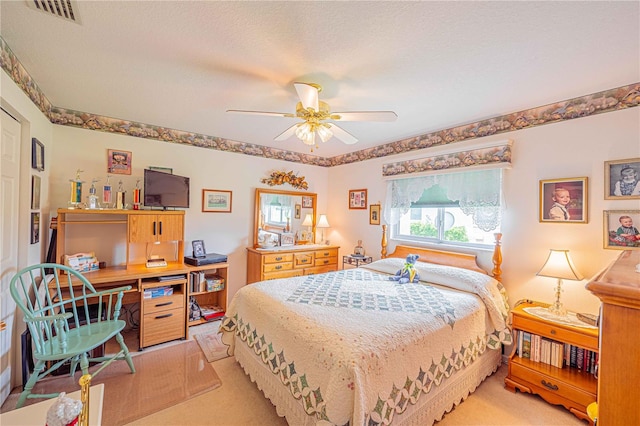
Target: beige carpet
164,378
212,346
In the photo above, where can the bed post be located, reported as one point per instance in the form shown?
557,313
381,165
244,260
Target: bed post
497,257
383,243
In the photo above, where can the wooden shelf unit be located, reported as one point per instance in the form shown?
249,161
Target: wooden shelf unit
218,297
568,386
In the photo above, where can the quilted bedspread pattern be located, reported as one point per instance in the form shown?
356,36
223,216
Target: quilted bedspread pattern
355,347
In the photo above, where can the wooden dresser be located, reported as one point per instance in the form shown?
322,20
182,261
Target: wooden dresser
618,287
263,264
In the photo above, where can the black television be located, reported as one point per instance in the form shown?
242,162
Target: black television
165,190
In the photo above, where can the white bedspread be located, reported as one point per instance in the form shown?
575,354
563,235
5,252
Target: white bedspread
356,347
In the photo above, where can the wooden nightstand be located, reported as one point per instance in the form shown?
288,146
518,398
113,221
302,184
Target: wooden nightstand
571,386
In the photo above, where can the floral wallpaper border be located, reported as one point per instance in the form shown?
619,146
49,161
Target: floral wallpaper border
495,155
596,103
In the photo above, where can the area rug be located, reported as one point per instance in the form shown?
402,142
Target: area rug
164,377
212,346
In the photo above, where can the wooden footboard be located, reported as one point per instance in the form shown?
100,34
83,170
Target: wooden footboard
448,258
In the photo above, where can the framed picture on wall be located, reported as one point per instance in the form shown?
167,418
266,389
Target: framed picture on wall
621,229
307,202
622,179
296,214
216,201
35,228
37,154
358,199
563,200
35,192
118,162
374,214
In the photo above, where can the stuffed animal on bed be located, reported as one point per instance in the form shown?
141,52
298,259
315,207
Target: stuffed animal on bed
408,273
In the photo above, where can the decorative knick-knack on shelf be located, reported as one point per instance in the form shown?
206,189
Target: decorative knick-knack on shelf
358,250
76,191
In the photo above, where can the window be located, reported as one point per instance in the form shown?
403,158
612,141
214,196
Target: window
456,208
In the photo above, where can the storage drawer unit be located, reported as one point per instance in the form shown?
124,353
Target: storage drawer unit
299,260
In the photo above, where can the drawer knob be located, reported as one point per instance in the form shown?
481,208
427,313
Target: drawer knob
163,304
279,258
164,316
279,267
553,331
549,385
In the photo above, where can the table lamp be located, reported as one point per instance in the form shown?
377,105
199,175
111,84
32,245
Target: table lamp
559,265
322,224
308,222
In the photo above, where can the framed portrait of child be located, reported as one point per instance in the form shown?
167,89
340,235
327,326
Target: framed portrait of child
622,179
621,229
564,200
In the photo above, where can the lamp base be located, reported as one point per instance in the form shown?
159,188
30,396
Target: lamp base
557,309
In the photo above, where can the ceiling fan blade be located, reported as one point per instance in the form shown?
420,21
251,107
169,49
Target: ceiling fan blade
365,116
308,95
287,133
342,134
275,114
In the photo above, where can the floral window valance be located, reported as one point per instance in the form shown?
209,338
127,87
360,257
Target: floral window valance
471,178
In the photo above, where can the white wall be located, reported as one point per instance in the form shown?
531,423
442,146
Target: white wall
569,149
227,233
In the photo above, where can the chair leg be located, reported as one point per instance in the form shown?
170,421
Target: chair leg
84,363
125,349
74,365
37,371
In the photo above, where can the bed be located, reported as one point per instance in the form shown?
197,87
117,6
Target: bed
354,347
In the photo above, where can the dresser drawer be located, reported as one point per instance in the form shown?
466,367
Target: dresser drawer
553,385
275,267
555,332
320,269
333,252
300,260
158,304
324,261
277,257
283,274
163,326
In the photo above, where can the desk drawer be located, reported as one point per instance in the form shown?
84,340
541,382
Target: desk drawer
163,326
276,267
277,257
163,303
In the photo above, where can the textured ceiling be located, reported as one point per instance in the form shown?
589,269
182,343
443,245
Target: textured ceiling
182,64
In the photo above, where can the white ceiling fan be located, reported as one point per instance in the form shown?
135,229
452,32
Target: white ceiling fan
317,118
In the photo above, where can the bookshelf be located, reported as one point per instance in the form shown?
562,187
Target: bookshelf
205,297
572,387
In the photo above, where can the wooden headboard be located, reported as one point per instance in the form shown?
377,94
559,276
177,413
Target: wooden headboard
448,258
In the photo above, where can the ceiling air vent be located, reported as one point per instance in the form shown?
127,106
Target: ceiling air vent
65,9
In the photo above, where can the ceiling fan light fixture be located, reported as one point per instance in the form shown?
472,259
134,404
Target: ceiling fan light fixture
324,133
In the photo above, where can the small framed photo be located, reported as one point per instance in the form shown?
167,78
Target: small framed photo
216,201
307,202
563,200
622,179
287,239
374,214
118,162
296,212
358,199
621,229
198,248
35,192
35,228
168,170
37,155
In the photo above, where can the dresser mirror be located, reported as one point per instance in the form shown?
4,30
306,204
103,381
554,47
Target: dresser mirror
280,218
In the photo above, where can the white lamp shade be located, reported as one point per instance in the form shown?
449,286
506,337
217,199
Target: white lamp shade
559,265
323,222
308,220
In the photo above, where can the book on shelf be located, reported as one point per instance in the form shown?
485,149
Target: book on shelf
210,312
152,293
526,345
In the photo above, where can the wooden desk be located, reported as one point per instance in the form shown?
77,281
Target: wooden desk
36,414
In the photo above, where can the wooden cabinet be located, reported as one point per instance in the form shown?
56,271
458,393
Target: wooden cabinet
205,297
571,387
153,228
618,287
162,317
291,262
